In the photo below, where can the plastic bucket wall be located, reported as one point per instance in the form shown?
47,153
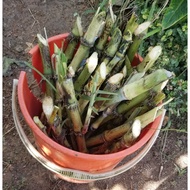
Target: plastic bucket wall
65,157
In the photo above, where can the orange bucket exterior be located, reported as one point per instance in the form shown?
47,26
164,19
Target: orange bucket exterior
53,151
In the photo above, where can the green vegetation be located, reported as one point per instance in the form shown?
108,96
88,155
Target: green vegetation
170,32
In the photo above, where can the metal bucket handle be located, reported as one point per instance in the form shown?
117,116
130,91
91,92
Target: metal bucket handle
71,173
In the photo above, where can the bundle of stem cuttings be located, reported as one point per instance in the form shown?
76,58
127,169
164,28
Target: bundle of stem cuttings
96,101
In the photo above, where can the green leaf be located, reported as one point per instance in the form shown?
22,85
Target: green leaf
102,98
56,49
7,62
88,11
176,12
95,110
61,63
43,77
151,33
152,10
63,57
103,4
85,97
106,92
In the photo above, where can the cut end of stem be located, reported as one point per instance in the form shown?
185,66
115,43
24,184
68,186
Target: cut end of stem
42,39
92,62
115,79
79,25
47,105
169,74
167,102
113,17
71,72
163,85
142,28
103,71
136,128
155,52
124,71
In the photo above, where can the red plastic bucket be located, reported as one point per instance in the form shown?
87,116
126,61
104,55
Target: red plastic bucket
56,153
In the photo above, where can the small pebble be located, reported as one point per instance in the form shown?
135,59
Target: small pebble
19,48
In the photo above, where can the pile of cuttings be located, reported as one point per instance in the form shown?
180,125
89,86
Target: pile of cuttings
96,101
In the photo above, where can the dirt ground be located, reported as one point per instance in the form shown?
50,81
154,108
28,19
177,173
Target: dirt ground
22,20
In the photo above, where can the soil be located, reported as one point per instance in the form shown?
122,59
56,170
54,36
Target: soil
22,20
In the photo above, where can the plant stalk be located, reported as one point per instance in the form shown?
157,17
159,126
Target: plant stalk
117,132
73,111
76,33
113,45
90,106
111,85
40,124
139,33
46,61
88,69
149,59
131,24
127,139
100,75
94,30
108,135
130,91
126,40
104,37
125,106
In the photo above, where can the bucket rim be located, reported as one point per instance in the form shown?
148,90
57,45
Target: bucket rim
51,39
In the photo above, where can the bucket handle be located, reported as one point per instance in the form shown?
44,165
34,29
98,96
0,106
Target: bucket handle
71,173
